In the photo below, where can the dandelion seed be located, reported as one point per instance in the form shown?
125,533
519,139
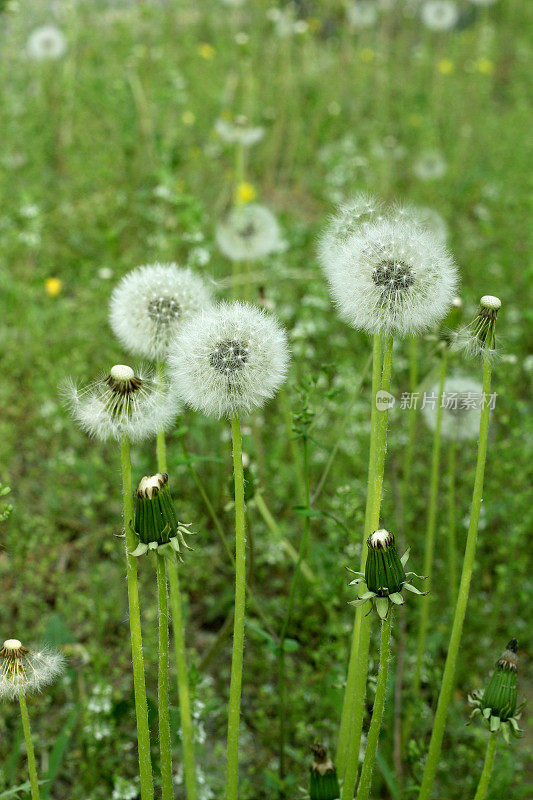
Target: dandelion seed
237,131
46,43
24,671
249,232
439,15
229,360
389,275
150,304
122,403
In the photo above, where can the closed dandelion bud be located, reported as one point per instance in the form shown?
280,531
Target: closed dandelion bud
501,692
385,576
324,784
156,523
497,704
25,671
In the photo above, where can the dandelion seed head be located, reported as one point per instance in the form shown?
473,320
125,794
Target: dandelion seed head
390,275
238,131
24,671
228,360
150,303
478,339
439,15
46,43
123,402
490,302
249,232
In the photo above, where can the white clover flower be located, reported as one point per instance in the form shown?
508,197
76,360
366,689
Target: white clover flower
24,671
362,14
439,15
461,408
238,131
430,166
46,43
150,304
229,360
123,403
390,275
249,232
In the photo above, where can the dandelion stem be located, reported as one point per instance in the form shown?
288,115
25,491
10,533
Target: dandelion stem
234,708
377,711
187,737
452,545
430,530
161,447
484,779
462,598
162,685
287,619
30,753
354,696
141,705
409,450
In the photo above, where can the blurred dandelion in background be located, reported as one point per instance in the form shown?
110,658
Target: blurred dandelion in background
461,408
46,43
249,232
439,15
430,166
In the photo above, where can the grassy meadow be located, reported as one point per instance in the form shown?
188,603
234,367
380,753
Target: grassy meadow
109,159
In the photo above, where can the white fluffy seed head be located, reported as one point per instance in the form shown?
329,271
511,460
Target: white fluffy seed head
229,360
26,671
461,410
150,304
111,407
238,131
390,275
439,15
46,43
249,232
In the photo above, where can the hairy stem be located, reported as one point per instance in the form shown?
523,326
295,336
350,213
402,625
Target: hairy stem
234,708
162,684
462,598
30,753
484,779
452,544
139,686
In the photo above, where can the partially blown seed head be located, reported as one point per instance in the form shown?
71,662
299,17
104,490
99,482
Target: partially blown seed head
229,360
150,304
24,671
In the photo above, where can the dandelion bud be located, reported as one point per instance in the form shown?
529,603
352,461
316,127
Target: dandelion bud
385,576
150,304
229,360
23,671
384,572
156,523
324,784
501,692
124,402
497,704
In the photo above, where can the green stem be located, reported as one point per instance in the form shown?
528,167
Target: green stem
273,527
430,530
358,667
293,446
141,704
484,780
162,685
161,447
287,619
187,737
462,598
234,708
413,382
452,545
30,753
377,712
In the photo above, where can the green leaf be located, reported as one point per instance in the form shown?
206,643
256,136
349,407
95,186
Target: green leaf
382,606
290,645
388,777
405,557
58,752
306,511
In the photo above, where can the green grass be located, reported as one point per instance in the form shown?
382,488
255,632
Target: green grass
86,142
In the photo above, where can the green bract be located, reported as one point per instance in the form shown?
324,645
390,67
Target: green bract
324,784
156,523
497,704
384,575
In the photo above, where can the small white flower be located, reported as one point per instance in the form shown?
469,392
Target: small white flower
249,232
46,43
362,14
439,15
461,411
430,166
238,131
123,403
150,304
229,360
389,275
26,671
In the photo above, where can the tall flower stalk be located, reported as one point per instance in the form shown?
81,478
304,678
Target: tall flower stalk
488,765
479,338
